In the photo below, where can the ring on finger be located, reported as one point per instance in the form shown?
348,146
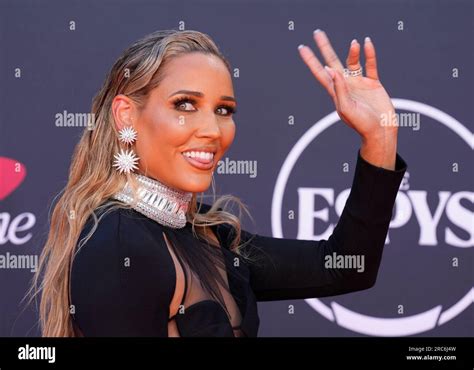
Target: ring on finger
349,73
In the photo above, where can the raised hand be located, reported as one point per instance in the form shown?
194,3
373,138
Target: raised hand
361,101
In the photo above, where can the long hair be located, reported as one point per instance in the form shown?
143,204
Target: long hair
92,180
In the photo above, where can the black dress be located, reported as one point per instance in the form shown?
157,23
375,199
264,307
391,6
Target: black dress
123,279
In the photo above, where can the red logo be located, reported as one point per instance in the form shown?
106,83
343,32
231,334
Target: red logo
12,174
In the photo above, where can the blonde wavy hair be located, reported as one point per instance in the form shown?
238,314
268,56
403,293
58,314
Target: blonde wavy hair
92,180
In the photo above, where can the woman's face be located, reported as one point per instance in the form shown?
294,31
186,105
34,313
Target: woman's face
186,125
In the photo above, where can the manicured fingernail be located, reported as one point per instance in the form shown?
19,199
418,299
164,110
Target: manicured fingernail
300,46
353,41
367,39
317,30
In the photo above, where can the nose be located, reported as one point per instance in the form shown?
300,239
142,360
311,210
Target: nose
209,126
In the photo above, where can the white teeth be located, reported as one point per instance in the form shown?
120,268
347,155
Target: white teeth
201,155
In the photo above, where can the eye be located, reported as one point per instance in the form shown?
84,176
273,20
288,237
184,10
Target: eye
228,110
184,103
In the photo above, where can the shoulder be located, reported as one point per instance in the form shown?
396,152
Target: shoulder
100,230
125,248
106,232
121,229
122,280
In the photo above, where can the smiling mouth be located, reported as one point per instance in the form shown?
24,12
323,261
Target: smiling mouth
199,159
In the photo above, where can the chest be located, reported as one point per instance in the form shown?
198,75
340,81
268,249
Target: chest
194,313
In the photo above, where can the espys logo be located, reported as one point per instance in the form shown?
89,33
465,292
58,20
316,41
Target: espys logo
412,207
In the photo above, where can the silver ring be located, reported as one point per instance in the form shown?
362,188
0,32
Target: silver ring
348,72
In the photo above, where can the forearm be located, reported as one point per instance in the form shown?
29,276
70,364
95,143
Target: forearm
296,269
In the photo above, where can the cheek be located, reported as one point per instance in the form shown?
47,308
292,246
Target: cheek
160,133
227,135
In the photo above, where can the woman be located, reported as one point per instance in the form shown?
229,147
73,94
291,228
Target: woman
131,252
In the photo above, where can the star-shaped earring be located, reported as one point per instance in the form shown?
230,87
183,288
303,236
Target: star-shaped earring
127,135
125,162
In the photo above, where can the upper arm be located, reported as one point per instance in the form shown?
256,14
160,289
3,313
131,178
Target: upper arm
115,289
283,269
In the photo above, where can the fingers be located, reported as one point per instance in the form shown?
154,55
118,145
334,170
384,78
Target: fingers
317,69
343,100
327,51
370,59
353,57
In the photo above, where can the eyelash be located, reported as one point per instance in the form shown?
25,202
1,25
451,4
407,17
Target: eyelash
187,99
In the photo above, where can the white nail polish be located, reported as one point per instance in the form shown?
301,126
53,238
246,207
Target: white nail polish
353,41
367,39
316,31
300,46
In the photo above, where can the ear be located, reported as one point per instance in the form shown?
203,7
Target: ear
123,110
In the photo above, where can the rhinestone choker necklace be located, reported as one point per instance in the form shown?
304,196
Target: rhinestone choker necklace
157,201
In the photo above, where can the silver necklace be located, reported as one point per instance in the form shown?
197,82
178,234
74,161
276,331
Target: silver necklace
165,205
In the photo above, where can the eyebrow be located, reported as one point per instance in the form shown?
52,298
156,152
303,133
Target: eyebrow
200,95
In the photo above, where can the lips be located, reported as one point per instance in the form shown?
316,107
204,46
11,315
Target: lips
200,159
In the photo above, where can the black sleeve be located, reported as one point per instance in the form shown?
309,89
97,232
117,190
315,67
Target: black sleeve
121,282
296,269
